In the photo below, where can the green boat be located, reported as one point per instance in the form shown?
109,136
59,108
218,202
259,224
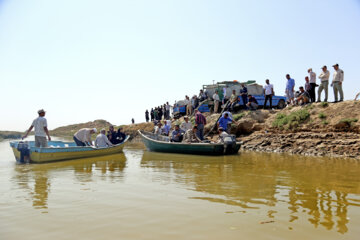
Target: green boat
157,143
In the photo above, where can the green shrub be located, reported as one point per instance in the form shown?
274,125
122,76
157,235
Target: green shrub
324,122
324,104
322,115
349,121
238,116
309,107
291,121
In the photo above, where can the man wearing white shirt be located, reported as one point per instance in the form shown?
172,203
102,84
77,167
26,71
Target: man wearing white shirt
41,130
167,111
337,81
82,137
186,125
216,101
188,106
312,81
324,85
268,93
158,129
101,140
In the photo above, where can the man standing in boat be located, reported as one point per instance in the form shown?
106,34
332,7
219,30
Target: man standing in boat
41,130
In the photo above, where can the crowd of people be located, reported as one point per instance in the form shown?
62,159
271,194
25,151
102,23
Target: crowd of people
305,94
158,113
188,132
103,139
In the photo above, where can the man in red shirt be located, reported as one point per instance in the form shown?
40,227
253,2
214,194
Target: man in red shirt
200,121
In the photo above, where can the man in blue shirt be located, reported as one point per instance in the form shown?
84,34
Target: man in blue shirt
289,90
177,134
166,128
224,121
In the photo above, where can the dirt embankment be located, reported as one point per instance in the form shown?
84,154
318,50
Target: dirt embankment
320,129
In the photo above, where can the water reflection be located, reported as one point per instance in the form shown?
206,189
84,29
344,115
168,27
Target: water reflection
36,179
318,189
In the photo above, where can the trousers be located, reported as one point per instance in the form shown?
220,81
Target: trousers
268,97
338,88
323,86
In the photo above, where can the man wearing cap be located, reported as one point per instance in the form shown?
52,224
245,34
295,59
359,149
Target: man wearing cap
324,77
312,81
101,140
83,136
186,125
41,131
337,81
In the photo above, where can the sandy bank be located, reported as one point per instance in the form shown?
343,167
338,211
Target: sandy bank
319,129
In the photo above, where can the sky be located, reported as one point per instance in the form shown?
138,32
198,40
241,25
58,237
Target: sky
84,60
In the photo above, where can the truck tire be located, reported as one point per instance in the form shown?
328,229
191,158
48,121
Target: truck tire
281,104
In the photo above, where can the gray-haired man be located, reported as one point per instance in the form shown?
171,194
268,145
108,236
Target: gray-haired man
324,85
337,81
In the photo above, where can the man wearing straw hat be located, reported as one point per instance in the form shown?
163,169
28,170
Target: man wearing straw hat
41,131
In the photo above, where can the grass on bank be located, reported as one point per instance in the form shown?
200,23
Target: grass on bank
292,120
324,122
348,121
238,116
324,104
322,115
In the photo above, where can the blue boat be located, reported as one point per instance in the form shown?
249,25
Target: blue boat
59,151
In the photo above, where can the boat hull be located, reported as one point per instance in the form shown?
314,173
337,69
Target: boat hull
186,148
52,154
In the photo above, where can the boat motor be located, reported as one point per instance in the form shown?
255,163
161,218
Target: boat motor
229,144
23,148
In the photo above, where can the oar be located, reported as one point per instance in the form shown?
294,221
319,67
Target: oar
212,129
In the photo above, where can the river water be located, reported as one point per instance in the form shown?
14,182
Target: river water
144,195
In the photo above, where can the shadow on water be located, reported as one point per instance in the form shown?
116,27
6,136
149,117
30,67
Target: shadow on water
36,178
318,189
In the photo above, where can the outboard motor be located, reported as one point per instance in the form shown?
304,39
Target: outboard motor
229,144
23,148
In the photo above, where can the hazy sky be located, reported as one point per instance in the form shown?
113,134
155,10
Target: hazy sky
87,60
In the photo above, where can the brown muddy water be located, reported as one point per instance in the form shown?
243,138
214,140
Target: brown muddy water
144,195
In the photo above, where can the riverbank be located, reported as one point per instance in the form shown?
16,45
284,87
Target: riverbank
10,135
319,129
